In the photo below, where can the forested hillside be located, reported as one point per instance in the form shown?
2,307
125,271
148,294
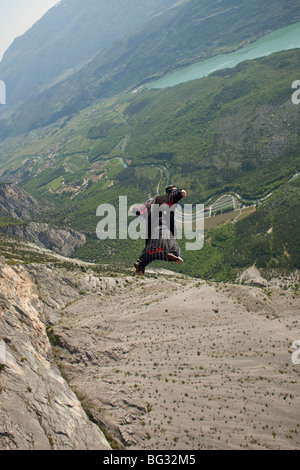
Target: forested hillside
236,130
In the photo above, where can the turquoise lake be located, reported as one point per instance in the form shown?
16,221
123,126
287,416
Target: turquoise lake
281,40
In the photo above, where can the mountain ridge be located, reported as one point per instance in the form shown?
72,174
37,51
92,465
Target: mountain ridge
71,32
174,39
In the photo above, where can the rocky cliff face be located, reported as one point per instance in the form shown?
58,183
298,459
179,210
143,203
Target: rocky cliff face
175,363
17,204
39,411
64,242
161,362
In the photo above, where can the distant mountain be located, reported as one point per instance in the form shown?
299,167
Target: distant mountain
192,31
70,33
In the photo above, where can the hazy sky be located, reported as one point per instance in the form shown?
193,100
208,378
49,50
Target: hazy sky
17,16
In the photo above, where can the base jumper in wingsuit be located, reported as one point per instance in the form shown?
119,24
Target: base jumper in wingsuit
161,243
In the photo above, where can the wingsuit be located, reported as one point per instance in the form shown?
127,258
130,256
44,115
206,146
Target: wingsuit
161,243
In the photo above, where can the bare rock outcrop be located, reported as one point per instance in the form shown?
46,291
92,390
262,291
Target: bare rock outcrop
252,277
21,207
17,204
64,242
39,411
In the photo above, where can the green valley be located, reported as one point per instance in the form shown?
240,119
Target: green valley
236,131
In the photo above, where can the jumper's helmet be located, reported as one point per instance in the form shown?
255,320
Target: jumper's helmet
170,188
